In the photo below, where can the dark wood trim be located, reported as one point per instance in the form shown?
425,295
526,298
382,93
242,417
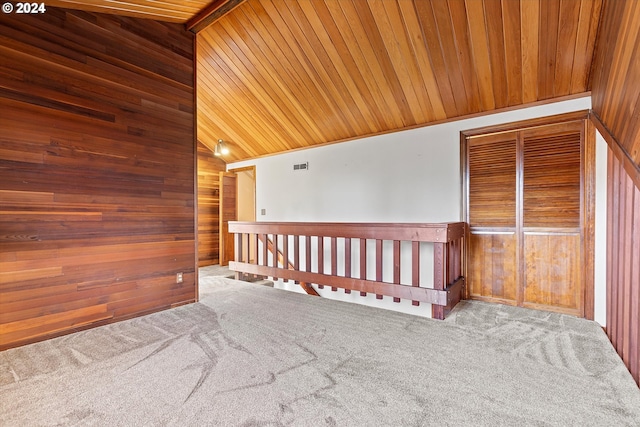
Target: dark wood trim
425,232
588,220
210,14
196,228
617,149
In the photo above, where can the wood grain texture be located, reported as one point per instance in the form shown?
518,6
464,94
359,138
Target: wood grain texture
528,200
623,265
296,74
97,171
165,10
616,75
209,168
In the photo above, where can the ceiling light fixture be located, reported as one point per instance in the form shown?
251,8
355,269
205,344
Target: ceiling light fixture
220,149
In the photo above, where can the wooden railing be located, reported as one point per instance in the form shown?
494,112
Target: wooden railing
303,254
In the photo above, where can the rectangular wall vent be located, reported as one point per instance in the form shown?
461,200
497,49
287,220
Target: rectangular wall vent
301,166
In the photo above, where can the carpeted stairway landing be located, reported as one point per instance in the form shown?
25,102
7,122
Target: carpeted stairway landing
249,355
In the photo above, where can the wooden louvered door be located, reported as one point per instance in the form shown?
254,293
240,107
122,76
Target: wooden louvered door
525,208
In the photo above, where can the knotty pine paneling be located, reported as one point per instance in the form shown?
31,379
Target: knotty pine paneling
616,75
277,75
623,265
96,171
209,168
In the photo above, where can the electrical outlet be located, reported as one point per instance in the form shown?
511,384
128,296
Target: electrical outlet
178,277
263,211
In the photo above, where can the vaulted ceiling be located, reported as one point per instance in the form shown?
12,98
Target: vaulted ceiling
277,75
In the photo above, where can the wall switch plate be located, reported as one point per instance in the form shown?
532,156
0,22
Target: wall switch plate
178,277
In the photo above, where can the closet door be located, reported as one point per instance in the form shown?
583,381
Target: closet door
525,207
552,252
492,217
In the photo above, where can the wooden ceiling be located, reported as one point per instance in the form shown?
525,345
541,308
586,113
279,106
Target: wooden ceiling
277,75
159,10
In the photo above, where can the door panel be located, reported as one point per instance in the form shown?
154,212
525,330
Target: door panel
525,205
228,212
492,181
551,187
493,263
552,273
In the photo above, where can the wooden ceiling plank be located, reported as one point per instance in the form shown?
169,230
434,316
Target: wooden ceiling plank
416,37
356,119
324,26
312,77
530,26
463,48
480,46
316,102
513,50
244,95
494,24
579,74
267,66
432,41
210,14
168,11
447,42
347,29
548,47
260,82
398,46
631,93
568,31
318,63
382,56
394,103
621,66
237,124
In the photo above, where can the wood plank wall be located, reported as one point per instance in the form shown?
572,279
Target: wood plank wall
623,265
97,171
209,168
615,91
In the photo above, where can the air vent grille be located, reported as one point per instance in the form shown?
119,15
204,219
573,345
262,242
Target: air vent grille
301,166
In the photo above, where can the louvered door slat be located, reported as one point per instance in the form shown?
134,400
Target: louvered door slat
492,181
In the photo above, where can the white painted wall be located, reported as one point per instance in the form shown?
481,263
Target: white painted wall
407,176
600,266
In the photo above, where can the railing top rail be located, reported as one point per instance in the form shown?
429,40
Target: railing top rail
420,232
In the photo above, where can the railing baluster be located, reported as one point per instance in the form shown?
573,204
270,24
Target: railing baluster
439,275
307,253
320,258
265,249
347,260
296,254
378,264
396,265
415,267
285,251
334,259
363,262
274,253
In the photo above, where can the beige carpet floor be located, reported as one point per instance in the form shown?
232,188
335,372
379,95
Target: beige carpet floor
250,355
